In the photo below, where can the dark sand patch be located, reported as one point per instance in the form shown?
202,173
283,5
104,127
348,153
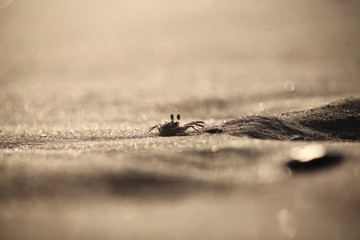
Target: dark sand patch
336,121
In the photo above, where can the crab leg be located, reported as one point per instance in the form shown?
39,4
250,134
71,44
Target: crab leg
197,123
152,128
202,122
191,127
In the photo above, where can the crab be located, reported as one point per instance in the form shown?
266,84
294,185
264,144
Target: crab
173,128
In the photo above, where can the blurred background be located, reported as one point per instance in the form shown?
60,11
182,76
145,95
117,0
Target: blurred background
125,64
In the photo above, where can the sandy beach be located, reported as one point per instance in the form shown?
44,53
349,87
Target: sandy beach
277,84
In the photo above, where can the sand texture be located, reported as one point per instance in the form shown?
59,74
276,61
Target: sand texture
276,82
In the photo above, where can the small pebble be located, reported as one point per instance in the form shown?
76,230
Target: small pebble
311,157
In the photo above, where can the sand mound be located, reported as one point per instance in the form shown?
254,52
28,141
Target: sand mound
336,121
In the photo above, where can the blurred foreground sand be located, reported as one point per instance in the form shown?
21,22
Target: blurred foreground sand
81,82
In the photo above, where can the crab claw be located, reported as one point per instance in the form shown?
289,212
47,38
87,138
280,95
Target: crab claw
178,117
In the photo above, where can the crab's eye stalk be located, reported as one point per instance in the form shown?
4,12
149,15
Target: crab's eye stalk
178,117
172,117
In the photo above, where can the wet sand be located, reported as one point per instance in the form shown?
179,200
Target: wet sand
82,83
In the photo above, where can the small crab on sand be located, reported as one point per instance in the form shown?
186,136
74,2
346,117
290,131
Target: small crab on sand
173,128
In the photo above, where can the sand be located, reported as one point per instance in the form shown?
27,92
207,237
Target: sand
81,83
